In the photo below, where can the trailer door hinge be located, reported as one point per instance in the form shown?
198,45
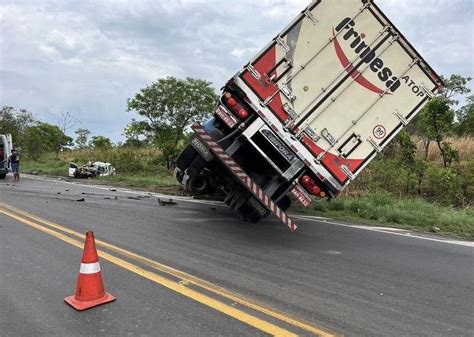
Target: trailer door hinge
292,113
252,70
288,93
400,118
312,134
426,91
310,16
374,145
347,172
326,135
282,43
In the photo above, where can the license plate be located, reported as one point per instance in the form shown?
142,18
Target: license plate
301,195
228,119
201,148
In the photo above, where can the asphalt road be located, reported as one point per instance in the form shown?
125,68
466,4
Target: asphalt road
193,269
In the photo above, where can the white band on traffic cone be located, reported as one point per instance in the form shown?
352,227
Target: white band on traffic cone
90,268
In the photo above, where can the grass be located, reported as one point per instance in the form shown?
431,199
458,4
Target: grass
49,165
407,212
464,146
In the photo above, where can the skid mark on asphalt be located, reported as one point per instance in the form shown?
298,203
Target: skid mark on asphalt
182,283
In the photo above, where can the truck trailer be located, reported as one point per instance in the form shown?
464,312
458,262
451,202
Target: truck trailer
309,112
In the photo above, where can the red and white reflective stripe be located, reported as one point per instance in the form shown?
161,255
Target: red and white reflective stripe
90,268
237,170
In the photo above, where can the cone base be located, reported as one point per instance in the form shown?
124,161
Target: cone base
83,305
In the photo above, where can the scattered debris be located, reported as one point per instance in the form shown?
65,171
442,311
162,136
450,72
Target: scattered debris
212,208
82,199
113,190
133,198
58,193
435,229
107,198
169,202
67,190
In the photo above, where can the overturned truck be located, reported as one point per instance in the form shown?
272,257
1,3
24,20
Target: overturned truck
307,114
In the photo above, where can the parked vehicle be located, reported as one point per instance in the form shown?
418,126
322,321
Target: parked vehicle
308,113
6,145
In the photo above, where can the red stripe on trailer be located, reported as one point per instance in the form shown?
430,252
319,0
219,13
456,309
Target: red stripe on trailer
246,180
332,162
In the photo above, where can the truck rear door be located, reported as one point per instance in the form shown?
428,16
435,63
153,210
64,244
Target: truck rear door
343,80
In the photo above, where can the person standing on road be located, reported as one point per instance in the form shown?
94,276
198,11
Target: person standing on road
14,162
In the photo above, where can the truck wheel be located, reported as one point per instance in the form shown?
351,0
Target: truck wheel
186,157
248,213
198,184
3,176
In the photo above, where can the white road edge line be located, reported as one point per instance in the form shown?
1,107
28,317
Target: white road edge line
392,231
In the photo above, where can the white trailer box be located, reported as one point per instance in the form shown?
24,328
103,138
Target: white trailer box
342,80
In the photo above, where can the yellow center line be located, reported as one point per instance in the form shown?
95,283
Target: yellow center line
284,317
183,290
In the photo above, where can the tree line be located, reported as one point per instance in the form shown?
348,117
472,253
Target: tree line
35,138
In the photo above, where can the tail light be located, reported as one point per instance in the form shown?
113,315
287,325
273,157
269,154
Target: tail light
311,186
236,107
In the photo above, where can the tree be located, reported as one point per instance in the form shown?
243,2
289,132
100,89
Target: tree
44,137
454,86
434,124
436,120
15,122
82,138
101,142
169,106
465,117
133,135
66,121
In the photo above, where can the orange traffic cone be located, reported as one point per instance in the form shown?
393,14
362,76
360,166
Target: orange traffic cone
90,290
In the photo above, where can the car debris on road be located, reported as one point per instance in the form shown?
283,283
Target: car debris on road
91,170
169,202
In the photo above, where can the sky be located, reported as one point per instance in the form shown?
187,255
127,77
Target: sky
88,57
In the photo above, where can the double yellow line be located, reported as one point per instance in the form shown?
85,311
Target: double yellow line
182,287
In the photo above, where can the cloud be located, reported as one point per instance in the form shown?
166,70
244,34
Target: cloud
88,57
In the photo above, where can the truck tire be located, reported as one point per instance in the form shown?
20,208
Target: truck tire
248,213
198,184
186,157
3,176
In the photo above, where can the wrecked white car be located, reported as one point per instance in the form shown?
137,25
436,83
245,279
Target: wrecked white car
91,170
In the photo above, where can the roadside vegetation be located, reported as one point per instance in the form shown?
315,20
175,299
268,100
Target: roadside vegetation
423,180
